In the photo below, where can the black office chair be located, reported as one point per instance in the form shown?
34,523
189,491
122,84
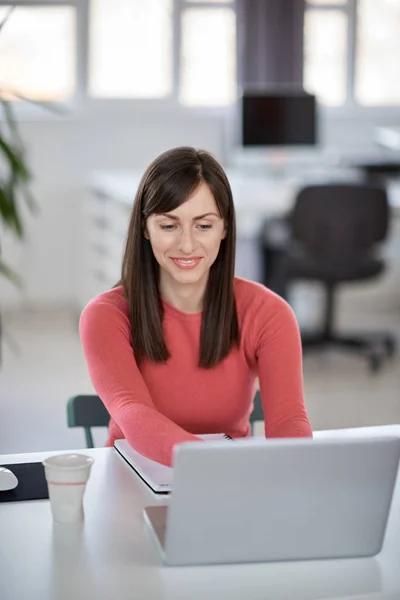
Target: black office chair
333,234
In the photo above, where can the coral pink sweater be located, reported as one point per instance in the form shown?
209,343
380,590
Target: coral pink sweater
156,406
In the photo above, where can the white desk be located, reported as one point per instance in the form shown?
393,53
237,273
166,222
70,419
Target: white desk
112,555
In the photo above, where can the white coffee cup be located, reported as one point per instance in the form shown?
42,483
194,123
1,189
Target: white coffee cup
66,476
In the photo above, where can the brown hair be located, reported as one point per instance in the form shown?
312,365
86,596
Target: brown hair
166,184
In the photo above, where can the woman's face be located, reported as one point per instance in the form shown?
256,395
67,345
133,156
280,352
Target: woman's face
186,241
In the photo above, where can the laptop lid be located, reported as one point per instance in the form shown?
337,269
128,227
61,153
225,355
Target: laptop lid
271,500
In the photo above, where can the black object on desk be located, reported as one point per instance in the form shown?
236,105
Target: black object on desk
32,484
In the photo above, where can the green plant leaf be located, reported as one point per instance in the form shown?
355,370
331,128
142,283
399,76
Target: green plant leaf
16,218
5,211
16,161
9,211
12,124
10,274
18,152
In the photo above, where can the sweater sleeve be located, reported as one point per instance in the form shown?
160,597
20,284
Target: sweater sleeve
280,370
106,340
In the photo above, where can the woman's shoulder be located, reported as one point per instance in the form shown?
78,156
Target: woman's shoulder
258,305
111,303
250,294
104,325
263,315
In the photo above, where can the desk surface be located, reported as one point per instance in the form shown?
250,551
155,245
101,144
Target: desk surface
112,556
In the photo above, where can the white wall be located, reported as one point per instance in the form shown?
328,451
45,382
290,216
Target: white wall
64,151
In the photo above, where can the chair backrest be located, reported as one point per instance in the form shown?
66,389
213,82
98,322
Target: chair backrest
257,414
87,410
340,223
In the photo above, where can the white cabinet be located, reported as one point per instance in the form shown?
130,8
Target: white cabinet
104,228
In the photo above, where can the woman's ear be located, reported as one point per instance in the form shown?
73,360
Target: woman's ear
224,233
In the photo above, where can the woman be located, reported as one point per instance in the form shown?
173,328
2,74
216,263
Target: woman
174,350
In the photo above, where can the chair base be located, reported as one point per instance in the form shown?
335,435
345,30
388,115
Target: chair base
374,347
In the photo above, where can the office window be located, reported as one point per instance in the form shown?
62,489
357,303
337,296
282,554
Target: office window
167,50
325,55
37,50
131,48
208,57
377,80
351,50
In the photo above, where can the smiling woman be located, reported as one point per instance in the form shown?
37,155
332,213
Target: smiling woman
174,350
178,188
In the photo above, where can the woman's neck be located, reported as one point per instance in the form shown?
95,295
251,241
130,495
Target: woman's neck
186,297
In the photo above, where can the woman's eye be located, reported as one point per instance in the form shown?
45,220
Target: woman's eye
200,226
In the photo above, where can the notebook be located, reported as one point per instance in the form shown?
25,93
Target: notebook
157,476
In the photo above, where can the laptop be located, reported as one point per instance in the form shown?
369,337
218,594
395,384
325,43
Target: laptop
260,500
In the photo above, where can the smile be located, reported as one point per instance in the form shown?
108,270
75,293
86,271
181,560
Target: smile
186,263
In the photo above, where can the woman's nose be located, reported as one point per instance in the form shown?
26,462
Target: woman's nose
187,242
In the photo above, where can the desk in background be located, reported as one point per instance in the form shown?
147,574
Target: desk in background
112,556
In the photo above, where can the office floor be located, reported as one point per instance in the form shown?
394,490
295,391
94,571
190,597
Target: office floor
36,382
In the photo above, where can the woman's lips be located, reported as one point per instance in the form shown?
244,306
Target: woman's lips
186,263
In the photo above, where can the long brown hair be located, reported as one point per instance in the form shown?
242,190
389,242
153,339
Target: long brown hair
166,184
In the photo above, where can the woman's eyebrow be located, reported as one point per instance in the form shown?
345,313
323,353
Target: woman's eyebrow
206,215
168,216
198,218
